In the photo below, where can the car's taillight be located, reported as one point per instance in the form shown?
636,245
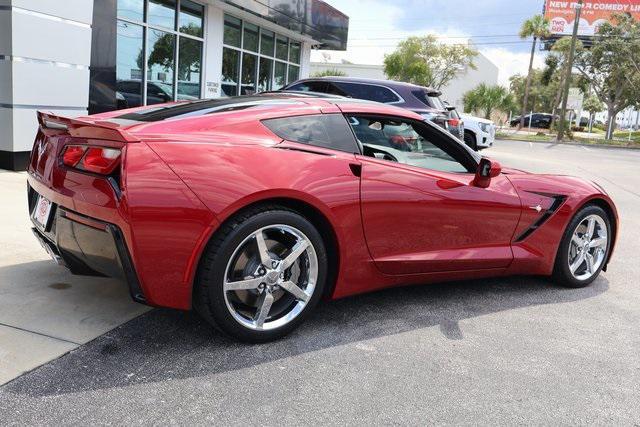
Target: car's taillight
72,155
454,122
99,160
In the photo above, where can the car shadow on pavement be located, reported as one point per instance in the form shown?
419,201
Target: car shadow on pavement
167,345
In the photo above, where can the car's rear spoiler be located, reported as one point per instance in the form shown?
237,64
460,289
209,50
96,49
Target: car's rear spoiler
82,128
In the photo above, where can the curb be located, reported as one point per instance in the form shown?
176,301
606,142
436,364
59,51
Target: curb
576,143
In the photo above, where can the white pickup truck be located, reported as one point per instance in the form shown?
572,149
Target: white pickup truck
479,133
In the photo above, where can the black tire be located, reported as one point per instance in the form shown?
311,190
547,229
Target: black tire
209,295
470,140
561,272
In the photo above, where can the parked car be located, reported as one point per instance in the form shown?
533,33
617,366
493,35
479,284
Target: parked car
479,133
456,124
157,92
419,99
538,120
253,209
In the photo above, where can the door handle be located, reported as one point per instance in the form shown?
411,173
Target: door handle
356,169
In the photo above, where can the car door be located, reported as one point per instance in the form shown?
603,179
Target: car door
421,212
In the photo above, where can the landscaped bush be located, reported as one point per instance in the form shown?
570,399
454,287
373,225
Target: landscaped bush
567,128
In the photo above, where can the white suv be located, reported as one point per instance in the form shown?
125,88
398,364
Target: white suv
478,133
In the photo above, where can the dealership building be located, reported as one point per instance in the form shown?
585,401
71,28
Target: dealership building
78,57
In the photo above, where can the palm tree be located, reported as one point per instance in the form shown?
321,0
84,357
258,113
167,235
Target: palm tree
537,26
487,99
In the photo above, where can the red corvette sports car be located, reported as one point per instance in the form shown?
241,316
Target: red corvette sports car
252,209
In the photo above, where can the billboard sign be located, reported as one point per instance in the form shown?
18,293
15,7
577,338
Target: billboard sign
561,14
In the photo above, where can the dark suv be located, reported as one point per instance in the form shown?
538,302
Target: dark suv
538,120
420,99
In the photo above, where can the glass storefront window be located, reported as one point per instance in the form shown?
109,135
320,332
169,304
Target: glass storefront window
279,75
230,71
189,68
263,60
191,18
129,63
172,67
162,13
232,31
250,40
293,73
294,52
160,66
131,9
264,75
267,42
282,47
248,76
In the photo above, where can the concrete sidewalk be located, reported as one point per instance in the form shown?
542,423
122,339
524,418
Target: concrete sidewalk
45,311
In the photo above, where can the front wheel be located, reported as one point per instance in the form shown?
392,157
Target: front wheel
470,140
584,248
262,274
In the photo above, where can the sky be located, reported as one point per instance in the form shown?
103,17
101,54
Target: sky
376,26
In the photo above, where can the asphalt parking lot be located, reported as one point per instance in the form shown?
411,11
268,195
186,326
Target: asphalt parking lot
502,351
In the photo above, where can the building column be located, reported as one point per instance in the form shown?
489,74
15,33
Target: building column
45,50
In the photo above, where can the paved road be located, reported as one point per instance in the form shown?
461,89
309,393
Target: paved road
505,351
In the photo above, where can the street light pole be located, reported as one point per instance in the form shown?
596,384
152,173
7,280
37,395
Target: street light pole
567,79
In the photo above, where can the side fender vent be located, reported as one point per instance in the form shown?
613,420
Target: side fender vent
558,200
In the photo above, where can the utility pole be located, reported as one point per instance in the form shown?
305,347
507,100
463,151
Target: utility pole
567,79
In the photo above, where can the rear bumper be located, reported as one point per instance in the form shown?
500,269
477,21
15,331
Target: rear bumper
87,246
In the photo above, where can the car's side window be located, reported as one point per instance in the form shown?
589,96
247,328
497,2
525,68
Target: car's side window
334,90
408,142
324,130
368,91
310,87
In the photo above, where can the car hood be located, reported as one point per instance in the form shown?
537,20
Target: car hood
553,185
511,171
475,119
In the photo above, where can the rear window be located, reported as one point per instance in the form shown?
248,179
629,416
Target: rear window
323,130
428,99
368,92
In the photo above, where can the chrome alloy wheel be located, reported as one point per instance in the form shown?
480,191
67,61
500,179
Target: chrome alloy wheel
270,277
588,247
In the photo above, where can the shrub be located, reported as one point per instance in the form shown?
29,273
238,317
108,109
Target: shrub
567,128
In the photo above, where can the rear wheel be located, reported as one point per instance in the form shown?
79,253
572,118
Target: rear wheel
470,140
262,274
584,248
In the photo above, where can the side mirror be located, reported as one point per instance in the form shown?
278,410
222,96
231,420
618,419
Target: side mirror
487,169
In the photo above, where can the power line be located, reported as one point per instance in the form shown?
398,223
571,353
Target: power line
439,37
474,18
450,44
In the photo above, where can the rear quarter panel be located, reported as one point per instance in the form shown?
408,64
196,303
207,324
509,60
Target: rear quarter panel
227,178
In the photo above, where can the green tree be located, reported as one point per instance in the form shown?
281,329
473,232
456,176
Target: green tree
593,105
425,61
330,72
560,50
542,90
536,27
486,99
611,65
